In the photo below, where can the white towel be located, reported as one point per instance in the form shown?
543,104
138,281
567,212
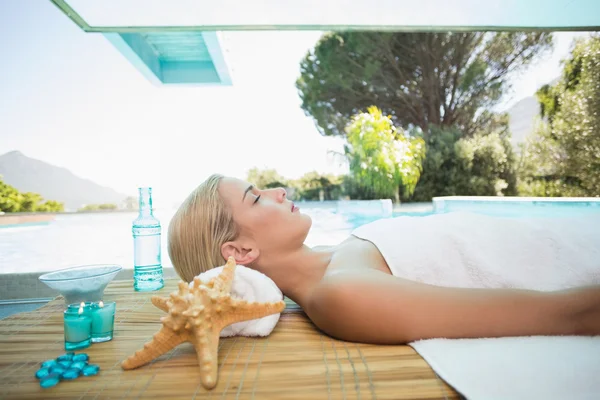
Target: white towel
249,285
517,368
470,250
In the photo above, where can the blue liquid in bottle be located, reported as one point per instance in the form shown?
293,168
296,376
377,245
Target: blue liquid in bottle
147,273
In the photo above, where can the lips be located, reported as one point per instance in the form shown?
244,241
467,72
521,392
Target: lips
292,206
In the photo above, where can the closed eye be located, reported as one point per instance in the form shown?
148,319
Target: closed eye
257,197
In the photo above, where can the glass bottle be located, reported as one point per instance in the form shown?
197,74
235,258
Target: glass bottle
147,272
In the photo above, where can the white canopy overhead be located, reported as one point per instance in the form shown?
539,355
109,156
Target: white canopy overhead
415,15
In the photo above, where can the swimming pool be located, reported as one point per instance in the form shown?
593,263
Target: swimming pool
106,238
545,207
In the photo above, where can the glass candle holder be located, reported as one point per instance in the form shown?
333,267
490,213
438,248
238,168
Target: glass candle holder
103,319
78,329
86,305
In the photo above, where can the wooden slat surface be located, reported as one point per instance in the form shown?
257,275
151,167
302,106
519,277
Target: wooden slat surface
295,362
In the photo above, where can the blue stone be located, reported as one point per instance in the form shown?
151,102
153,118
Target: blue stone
49,363
65,364
80,357
90,370
79,364
66,357
57,369
42,373
71,373
50,380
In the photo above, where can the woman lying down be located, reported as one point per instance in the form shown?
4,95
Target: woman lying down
397,280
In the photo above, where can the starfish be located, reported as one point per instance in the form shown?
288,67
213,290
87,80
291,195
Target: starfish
197,313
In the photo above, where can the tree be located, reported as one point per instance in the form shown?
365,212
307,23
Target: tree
419,79
98,207
51,205
563,157
266,178
316,186
382,158
30,201
11,200
480,165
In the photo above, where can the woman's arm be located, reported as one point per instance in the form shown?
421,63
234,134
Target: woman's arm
378,308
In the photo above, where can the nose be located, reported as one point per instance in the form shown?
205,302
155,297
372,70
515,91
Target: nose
279,194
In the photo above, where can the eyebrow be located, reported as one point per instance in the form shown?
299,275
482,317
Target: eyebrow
249,188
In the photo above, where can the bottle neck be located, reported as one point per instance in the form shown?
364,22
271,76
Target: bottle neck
145,202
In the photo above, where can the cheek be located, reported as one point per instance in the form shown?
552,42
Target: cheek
263,221
271,222
274,220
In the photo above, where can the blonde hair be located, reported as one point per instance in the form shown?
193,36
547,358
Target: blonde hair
198,229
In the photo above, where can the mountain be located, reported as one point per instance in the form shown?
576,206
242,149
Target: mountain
54,183
522,118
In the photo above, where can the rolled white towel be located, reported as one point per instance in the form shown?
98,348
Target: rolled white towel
252,286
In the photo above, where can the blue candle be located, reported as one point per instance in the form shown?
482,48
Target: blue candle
103,319
78,327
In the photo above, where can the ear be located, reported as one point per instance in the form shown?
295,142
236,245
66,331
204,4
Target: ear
242,254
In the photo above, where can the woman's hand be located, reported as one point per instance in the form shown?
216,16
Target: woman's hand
585,309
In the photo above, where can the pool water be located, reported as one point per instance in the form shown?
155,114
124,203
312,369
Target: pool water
78,239
518,207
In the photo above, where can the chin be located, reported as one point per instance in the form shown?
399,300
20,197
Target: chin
308,220
307,227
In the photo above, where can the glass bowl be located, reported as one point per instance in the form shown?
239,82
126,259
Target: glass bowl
83,283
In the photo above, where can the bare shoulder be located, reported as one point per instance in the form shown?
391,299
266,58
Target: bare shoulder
339,283
358,255
331,304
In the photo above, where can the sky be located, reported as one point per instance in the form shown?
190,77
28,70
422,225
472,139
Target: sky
71,99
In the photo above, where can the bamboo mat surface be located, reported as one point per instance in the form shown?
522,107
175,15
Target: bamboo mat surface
295,362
